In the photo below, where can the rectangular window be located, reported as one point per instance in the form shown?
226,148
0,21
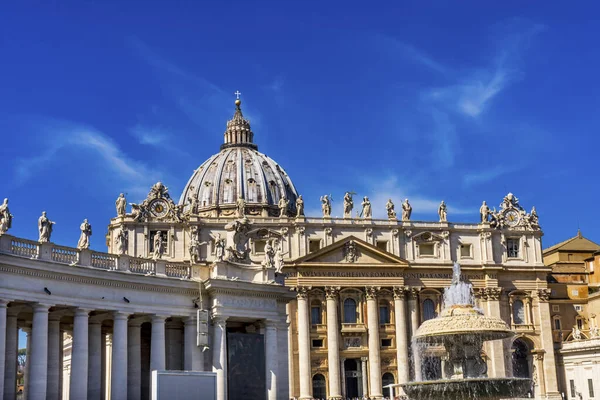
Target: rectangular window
317,343
579,323
557,326
512,246
384,315
579,308
465,251
386,342
426,250
382,245
555,308
575,292
572,387
591,387
315,315
314,245
259,246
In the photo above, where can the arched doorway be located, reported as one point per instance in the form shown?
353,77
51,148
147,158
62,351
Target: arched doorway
387,379
520,359
351,370
318,386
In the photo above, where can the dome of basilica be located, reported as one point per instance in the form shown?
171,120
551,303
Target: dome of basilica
239,170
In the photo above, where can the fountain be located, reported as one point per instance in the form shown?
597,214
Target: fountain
458,333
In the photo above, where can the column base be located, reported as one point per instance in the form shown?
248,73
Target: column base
335,398
553,396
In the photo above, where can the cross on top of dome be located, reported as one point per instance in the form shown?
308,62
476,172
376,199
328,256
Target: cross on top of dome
238,131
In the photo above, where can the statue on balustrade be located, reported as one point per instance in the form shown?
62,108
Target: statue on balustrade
366,208
348,204
44,228
121,241
283,206
84,238
326,205
443,212
389,206
158,245
299,207
5,217
121,205
484,212
406,210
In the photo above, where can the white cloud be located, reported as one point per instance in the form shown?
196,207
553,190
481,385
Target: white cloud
411,53
149,135
488,174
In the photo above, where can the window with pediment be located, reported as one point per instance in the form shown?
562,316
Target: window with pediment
430,303
316,317
520,303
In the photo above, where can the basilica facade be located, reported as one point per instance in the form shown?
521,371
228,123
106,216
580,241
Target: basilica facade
234,278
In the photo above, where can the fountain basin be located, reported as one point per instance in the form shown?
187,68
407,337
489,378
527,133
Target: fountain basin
468,388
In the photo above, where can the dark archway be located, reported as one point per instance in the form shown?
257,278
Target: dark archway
352,372
318,386
520,359
387,379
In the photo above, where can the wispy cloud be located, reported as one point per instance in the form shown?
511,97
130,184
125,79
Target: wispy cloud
152,136
488,174
410,53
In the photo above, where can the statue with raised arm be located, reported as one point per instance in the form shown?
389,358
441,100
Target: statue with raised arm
44,228
389,207
443,212
348,205
121,241
121,205
484,212
158,245
366,208
5,217
219,246
84,238
283,206
299,206
279,257
241,207
406,210
326,206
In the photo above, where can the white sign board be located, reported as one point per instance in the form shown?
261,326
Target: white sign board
184,385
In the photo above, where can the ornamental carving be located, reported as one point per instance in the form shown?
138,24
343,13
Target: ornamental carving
485,235
158,205
413,293
491,293
303,291
369,232
300,230
395,232
352,341
511,215
399,292
350,251
371,292
331,292
544,294
328,231
428,237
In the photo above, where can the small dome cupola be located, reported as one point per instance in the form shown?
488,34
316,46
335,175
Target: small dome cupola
238,132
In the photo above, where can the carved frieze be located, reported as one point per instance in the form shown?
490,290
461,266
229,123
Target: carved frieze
350,251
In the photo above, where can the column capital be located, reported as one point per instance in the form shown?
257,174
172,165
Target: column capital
413,292
220,320
543,295
371,292
157,319
303,291
40,307
364,359
4,303
491,293
81,312
270,324
331,292
120,315
399,292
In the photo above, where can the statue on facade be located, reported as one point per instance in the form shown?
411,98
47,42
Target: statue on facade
389,207
279,253
5,217
299,207
350,252
158,191
366,208
283,206
84,238
443,212
121,205
484,212
194,246
44,228
241,207
219,246
326,205
576,333
406,210
194,204
121,241
269,261
158,245
237,239
510,201
348,205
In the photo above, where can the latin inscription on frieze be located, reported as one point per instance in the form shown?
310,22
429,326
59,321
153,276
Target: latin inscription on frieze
247,302
378,274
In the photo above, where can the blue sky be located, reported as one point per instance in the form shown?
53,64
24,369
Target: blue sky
460,101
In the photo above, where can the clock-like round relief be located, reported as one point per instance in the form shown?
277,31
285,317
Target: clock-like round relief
159,208
512,217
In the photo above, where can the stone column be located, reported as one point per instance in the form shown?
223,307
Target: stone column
157,344
104,362
304,344
3,306
54,361
193,357
333,346
39,354
271,362
79,356
26,372
174,345
220,355
543,295
497,356
365,376
343,376
283,377
95,360
10,362
134,361
413,309
401,334
118,374
374,343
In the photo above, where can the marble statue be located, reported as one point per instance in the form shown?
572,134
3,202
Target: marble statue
443,212
278,259
283,206
389,206
121,241
366,208
158,191
348,205
326,206
237,239
84,238
121,205
44,228
219,246
576,333
299,206
509,201
194,204
194,246
158,245
484,212
350,252
269,261
406,210
5,217
241,207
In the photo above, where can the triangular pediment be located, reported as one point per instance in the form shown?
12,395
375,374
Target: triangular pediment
351,251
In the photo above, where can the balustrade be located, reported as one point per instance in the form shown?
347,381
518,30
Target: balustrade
65,255
25,248
178,270
142,266
104,261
